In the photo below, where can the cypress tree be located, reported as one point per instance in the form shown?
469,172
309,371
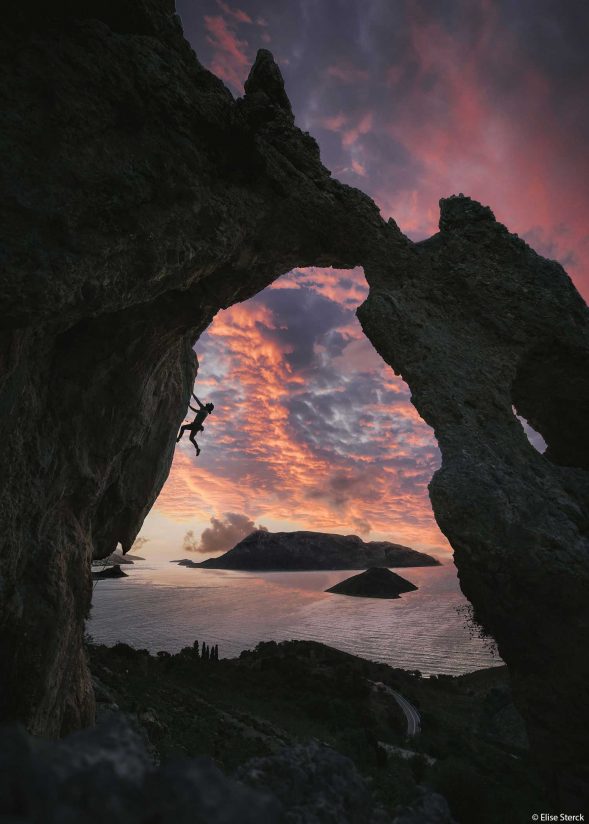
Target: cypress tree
195,648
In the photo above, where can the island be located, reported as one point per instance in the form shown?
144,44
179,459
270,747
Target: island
376,582
263,551
109,572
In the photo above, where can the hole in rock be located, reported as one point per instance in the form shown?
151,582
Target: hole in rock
550,392
535,438
311,429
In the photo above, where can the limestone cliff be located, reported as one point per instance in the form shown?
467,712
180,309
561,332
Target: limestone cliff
139,198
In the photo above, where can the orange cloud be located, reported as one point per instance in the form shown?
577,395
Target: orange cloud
272,446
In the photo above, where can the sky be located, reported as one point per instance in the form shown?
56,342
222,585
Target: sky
410,101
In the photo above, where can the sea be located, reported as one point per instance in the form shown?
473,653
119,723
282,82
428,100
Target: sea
163,606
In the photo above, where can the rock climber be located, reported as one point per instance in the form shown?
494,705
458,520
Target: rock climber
196,426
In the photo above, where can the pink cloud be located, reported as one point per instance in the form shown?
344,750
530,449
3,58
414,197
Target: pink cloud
237,14
532,170
363,126
358,168
335,123
229,61
347,73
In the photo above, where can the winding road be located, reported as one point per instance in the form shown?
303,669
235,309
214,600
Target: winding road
411,714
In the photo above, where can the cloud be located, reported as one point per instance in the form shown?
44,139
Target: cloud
230,61
310,426
347,73
421,99
190,542
237,14
139,543
224,533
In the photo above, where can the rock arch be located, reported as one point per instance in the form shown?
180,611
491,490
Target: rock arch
139,198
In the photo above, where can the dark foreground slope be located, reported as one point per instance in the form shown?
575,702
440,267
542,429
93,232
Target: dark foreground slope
314,550
281,696
292,733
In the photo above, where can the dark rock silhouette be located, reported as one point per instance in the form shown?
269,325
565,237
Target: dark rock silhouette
114,571
107,773
376,582
263,550
119,558
139,199
314,783
430,808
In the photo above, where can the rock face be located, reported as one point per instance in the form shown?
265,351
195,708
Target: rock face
376,582
264,550
477,324
139,198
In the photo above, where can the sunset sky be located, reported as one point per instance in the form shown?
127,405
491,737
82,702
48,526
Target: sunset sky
410,101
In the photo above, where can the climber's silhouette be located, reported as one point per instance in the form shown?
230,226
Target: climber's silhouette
195,426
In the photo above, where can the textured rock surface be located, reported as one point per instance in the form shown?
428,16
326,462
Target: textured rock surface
376,582
138,199
106,774
476,322
314,550
314,784
431,808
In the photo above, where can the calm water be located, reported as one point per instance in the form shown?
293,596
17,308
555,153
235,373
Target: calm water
165,606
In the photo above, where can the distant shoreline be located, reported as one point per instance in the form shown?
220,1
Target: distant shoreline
190,564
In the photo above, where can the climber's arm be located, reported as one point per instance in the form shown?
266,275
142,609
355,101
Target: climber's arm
198,402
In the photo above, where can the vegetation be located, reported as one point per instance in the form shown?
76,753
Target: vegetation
472,747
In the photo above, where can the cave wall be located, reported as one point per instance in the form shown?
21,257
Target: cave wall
139,199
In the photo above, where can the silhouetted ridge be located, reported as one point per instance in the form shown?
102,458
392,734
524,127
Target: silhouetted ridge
314,550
